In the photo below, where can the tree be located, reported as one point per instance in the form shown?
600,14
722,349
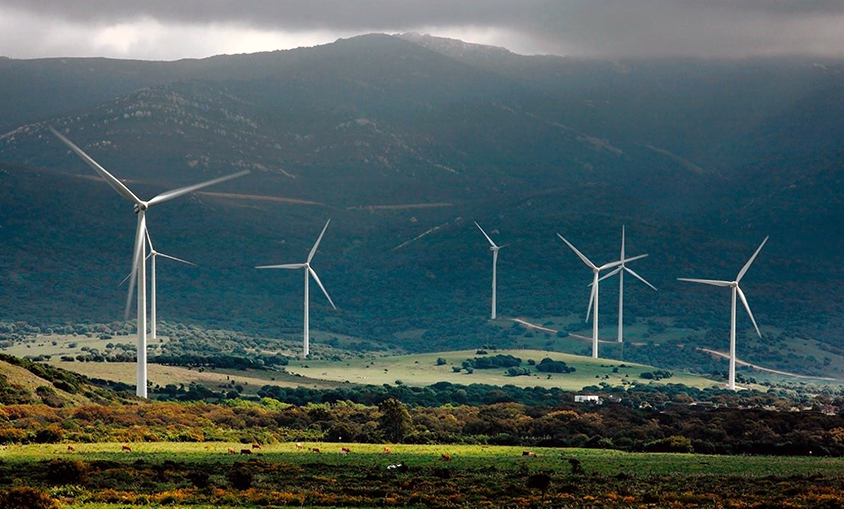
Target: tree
395,421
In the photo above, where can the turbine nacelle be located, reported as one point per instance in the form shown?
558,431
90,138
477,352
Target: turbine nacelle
140,206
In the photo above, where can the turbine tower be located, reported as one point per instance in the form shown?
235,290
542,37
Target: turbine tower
309,272
593,298
494,248
620,270
734,290
138,272
153,254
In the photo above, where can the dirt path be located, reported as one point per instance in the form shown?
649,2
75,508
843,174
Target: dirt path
546,329
768,370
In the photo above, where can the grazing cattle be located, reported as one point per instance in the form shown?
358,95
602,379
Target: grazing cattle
345,449
126,448
232,451
246,451
445,457
256,445
299,445
343,452
70,448
387,450
529,454
314,449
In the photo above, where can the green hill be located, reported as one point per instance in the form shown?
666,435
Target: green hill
423,369
26,382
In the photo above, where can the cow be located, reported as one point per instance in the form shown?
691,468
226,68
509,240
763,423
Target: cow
387,450
256,445
445,457
314,449
343,452
70,448
246,451
346,450
126,448
299,445
232,451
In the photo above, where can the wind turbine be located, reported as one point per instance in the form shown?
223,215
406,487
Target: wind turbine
593,298
494,248
309,272
153,254
620,270
139,254
734,290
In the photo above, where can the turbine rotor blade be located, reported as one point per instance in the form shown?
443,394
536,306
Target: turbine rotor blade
136,260
620,262
747,265
747,307
318,240
149,239
284,266
608,275
115,184
640,278
175,259
491,243
591,300
318,282
578,253
130,274
622,243
713,282
175,193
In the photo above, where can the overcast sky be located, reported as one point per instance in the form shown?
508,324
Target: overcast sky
172,29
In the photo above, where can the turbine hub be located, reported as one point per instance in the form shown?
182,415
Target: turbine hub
140,206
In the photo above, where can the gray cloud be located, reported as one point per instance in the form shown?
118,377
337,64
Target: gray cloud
580,27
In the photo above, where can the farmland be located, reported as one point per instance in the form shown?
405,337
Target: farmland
281,474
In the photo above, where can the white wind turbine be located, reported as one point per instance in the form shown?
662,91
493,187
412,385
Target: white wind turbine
593,298
734,290
494,248
620,270
309,272
139,254
153,254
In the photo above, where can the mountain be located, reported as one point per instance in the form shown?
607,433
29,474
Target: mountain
404,141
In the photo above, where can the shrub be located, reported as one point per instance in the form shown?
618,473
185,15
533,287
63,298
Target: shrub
60,471
548,365
674,443
441,361
240,476
25,497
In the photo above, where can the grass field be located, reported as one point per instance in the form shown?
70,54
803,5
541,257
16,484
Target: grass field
422,370
200,475
600,461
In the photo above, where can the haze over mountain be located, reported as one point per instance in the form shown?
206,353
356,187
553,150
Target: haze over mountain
404,137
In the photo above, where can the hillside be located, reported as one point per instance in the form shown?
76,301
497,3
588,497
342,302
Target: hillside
25,382
404,142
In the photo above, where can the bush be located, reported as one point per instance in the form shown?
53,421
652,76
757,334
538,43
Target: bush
25,497
496,361
518,372
240,477
441,361
658,374
60,471
674,443
548,365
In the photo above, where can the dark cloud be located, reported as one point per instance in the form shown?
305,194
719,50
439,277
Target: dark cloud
582,27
